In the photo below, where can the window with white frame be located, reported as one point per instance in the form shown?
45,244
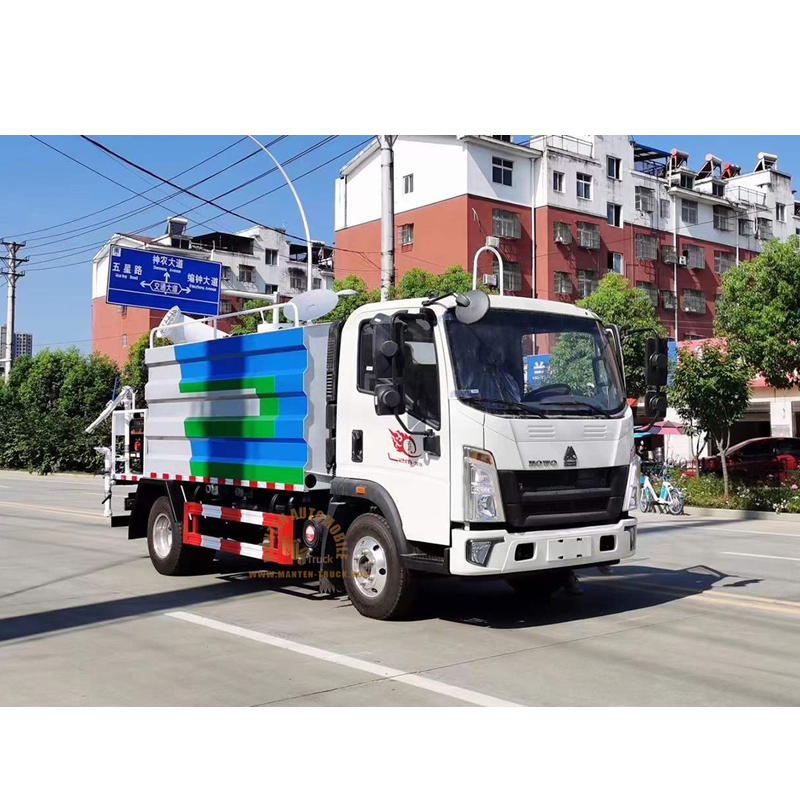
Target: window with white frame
718,189
764,230
745,227
124,339
668,254
614,214
271,258
558,182
502,171
227,273
562,283
722,218
668,299
613,167
408,183
723,260
650,289
588,235
689,212
406,234
687,181
780,212
225,306
615,263
646,247
316,283
644,199
695,256
297,280
587,282
694,301
562,233
245,273
584,186
664,209
506,224
512,275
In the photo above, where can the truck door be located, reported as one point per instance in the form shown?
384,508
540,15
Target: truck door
392,450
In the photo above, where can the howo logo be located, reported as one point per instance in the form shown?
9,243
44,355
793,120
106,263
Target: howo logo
540,463
570,457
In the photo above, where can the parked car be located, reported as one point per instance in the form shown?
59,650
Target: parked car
757,458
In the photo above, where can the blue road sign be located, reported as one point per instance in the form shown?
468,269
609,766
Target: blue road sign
148,279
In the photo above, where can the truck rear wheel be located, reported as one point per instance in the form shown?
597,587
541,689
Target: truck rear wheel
169,554
378,584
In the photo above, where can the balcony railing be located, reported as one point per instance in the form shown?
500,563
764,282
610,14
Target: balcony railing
746,197
570,144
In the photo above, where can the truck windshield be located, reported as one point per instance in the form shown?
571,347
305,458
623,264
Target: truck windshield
530,364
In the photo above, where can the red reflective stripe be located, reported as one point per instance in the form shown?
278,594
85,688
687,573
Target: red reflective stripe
289,487
192,538
270,485
254,484
234,514
153,475
192,478
179,477
228,546
206,480
165,476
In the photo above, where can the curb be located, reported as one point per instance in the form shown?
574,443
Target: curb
734,513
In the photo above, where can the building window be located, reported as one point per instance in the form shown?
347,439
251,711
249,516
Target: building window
650,289
764,228
745,227
689,212
562,283
558,182
694,301
668,255
613,167
298,280
718,189
586,282
664,209
271,258
227,273
722,218
562,233
408,183
687,181
506,224
124,339
695,256
502,170
615,263
723,260
225,306
406,235
646,247
614,215
588,235
316,283
512,275
245,273
584,186
644,199
668,300
780,212
123,310
270,288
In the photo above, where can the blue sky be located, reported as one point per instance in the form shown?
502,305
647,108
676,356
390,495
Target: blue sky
42,188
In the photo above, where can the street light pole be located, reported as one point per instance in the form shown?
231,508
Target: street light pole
387,214
309,283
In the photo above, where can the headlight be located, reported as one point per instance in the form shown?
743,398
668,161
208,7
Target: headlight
482,500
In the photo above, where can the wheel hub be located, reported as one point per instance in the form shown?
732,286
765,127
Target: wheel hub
162,535
368,564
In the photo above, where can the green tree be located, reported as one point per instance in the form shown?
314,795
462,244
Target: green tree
417,283
134,372
250,322
347,305
710,391
759,312
616,302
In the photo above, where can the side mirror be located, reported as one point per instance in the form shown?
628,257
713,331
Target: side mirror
386,367
655,404
388,400
615,339
656,362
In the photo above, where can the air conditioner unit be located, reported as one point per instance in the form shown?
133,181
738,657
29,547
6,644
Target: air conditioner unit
560,238
490,280
683,261
493,241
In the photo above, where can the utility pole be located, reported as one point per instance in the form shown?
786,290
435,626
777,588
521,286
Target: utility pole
387,214
12,276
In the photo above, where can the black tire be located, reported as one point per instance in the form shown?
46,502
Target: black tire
388,592
536,588
178,558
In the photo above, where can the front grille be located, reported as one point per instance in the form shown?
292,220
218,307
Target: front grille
554,498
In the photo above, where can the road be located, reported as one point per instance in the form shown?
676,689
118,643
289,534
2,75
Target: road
707,613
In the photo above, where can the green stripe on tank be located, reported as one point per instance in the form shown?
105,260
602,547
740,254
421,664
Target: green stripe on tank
262,427
248,472
262,385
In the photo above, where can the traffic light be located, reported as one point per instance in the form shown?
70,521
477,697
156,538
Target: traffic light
657,362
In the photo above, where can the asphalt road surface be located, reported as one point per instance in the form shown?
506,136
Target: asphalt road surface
706,613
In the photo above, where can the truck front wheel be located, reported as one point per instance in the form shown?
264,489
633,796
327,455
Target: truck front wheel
169,554
378,584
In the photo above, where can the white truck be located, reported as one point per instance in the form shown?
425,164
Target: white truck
461,435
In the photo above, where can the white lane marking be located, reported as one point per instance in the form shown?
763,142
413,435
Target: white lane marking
730,530
388,673
758,555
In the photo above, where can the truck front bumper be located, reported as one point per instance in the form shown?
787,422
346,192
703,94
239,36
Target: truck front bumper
528,551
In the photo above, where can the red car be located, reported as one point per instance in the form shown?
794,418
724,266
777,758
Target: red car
757,458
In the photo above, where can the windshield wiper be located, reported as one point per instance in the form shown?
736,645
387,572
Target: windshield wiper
509,404
582,403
